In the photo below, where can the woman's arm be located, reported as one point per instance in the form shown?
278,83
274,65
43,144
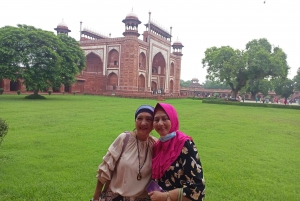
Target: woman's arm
194,186
98,189
166,196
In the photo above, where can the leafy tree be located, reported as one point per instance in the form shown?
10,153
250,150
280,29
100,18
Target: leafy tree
284,88
208,84
73,59
235,67
40,58
297,80
185,83
256,86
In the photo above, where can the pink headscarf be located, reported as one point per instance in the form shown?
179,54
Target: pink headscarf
165,153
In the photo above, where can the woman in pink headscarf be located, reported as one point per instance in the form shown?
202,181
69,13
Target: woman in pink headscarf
176,165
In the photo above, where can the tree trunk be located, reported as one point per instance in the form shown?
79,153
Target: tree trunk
35,92
234,93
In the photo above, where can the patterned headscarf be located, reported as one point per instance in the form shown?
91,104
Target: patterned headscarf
165,153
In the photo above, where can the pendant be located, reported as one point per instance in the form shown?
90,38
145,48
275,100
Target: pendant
139,176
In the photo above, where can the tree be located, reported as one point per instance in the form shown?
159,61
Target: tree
185,83
297,80
39,58
235,67
256,86
208,84
73,59
284,88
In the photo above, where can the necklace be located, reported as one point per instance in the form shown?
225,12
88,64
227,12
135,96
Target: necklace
139,175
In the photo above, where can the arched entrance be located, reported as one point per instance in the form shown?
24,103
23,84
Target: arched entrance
159,70
141,84
15,86
67,88
112,81
154,87
93,63
1,83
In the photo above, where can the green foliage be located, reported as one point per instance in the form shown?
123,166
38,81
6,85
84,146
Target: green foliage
35,96
297,80
185,83
18,92
3,129
284,88
259,85
208,84
38,57
235,67
1,91
49,92
74,93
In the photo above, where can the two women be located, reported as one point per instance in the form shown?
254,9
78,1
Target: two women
176,165
127,163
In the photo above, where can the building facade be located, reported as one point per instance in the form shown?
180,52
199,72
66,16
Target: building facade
129,66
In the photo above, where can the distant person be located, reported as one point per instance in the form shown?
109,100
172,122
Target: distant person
256,99
128,168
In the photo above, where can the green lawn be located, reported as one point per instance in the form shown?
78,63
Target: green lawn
54,146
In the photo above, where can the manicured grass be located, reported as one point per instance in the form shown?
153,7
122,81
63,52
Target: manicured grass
54,146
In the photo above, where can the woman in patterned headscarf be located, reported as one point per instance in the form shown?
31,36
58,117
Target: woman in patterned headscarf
126,167
176,165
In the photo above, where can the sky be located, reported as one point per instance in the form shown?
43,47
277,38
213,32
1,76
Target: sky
198,24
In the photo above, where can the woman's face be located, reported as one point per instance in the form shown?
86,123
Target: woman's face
144,124
161,123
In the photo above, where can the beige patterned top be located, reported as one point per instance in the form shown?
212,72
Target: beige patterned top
123,173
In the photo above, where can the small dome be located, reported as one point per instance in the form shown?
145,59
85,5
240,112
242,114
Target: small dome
62,24
195,79
131,15
177,42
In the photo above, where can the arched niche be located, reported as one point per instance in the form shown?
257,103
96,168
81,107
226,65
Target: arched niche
142,81
153,86
142,61
113,59
172,69
171,86
93,63
112,80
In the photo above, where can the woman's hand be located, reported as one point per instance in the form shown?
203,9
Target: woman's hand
158,196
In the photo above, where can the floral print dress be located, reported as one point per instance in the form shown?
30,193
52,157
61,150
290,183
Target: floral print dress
185,172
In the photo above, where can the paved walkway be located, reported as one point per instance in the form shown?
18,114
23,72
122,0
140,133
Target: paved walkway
250,101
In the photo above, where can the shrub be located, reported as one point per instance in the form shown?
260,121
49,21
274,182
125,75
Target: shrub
237,103
63,93
3,129
49,92
1,91
74,92
18,92
35,96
